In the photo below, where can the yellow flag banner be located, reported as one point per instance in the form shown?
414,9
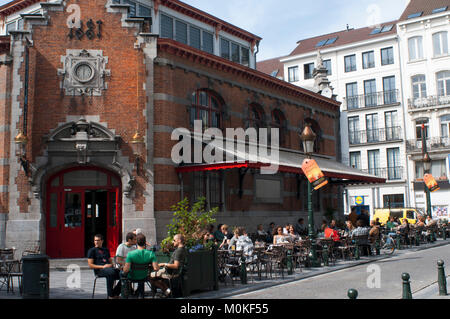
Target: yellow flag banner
431,182
314,174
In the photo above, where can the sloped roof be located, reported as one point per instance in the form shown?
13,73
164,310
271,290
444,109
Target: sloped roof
343,37
425,6
271,65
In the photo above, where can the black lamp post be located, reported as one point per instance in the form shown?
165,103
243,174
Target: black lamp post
308,138
426,160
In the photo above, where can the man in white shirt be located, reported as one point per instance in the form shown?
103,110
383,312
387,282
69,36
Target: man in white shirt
124,248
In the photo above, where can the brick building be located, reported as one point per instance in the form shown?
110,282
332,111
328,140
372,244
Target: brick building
90,93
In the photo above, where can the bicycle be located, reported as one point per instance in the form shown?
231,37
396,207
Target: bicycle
388,244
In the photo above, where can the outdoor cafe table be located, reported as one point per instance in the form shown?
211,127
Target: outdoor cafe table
7,267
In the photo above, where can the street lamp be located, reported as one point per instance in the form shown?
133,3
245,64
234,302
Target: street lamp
137,145
426,160
308,137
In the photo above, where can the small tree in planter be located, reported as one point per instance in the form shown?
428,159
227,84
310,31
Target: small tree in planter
190,222
202,272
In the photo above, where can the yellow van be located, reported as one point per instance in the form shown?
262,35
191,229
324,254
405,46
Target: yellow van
384,214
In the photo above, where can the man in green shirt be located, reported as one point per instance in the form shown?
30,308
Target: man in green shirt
391,224
140,256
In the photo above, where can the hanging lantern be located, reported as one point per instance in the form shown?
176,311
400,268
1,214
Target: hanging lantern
137,144
21,141
308,138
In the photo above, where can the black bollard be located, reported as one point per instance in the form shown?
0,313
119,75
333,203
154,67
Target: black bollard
44,289
406,286
442,280
352,293
289,262
243,271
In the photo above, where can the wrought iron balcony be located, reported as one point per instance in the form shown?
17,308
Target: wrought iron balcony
390,173
433,143
429,101
375,136
371,100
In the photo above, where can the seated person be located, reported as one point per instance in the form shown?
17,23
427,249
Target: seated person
139,256
171,268
279,237
124,248
361,231
261,233
331,233
300,228
218,235
234,239
100,260
245,244
374,232
226,236
391,224
293,236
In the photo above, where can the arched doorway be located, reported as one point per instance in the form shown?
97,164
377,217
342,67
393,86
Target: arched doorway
82,202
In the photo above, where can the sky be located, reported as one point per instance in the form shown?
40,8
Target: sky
281,23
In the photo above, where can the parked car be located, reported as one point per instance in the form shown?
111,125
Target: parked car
384,214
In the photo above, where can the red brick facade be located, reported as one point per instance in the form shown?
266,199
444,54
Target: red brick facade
149,94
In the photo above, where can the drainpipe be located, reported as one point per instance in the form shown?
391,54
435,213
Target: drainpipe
404,108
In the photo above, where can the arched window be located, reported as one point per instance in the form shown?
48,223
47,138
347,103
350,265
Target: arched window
443,83
419,123
256,117
279,122
206,107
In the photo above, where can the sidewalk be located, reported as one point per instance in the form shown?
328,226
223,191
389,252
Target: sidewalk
72,279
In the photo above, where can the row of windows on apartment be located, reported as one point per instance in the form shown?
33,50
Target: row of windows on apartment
419,84
393,170
368,61
444,121
391,122
371,96
194,36
201,181
392,131
440,46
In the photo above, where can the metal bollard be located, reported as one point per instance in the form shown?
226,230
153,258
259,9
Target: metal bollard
44,289
444,233
243,273
406,286
417,239
377,247
357,252
289,263
442,279
352,293
397,242
325,254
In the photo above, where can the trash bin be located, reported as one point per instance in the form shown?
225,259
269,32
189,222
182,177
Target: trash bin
33,266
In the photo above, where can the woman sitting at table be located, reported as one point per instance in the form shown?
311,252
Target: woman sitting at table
293,236
279,237
234,239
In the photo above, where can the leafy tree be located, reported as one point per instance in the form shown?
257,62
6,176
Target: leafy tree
190,222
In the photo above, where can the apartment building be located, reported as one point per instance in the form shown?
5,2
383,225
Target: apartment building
423,32
364,72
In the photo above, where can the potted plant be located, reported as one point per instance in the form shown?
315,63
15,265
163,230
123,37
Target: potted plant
201,266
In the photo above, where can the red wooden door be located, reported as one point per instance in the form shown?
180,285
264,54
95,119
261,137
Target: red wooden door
72,225
114,222
53,227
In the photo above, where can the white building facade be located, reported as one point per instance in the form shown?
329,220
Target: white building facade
364,71
423,39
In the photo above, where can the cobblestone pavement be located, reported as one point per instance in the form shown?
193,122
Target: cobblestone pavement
76,282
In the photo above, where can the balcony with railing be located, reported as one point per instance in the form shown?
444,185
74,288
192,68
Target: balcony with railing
417,104
388,134
389,173
433,143
370,100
